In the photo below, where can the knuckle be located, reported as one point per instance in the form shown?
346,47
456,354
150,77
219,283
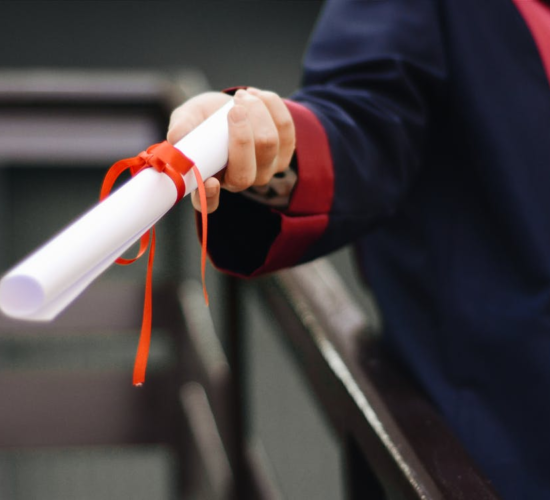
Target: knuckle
267,141
269,96
240,178
239,181
242,140
263,178
283,165
240,94
246,99
287,142
286,125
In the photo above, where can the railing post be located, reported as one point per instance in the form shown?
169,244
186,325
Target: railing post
234,346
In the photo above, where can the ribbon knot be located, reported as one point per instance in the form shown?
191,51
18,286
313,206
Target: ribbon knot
167,159
151,160
148,160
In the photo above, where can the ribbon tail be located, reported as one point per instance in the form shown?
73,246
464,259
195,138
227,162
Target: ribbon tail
142,355
204,218
143,245
165,158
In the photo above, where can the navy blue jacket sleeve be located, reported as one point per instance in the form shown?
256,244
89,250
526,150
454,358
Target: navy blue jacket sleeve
374,71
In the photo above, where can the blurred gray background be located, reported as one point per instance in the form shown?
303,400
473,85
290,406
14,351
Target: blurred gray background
255,42
258,43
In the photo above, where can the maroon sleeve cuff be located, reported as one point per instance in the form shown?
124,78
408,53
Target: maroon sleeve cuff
306,218
248,239
314,190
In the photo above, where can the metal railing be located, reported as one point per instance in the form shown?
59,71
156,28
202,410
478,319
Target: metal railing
397,446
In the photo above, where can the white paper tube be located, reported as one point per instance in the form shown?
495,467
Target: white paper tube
47,281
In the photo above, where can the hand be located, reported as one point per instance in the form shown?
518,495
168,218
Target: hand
261,138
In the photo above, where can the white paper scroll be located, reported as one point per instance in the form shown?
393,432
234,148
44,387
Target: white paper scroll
47,281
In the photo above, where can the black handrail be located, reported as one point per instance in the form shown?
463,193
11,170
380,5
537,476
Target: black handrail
390,430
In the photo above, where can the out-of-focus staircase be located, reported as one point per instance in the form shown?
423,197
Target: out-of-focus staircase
72,426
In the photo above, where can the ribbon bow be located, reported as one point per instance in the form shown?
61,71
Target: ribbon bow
165,158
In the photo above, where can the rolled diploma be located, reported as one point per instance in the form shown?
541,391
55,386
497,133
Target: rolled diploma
46,282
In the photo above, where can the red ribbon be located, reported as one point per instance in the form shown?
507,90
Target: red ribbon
163,157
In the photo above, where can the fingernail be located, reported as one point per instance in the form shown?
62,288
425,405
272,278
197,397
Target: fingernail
238,114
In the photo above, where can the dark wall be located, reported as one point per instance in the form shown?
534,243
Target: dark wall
233,42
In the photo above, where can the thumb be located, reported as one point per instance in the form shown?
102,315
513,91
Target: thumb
212,188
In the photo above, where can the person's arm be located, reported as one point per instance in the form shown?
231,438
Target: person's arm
372,74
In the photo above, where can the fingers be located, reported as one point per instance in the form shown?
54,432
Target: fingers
284,124
272,136
261,138
265,138
240,173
